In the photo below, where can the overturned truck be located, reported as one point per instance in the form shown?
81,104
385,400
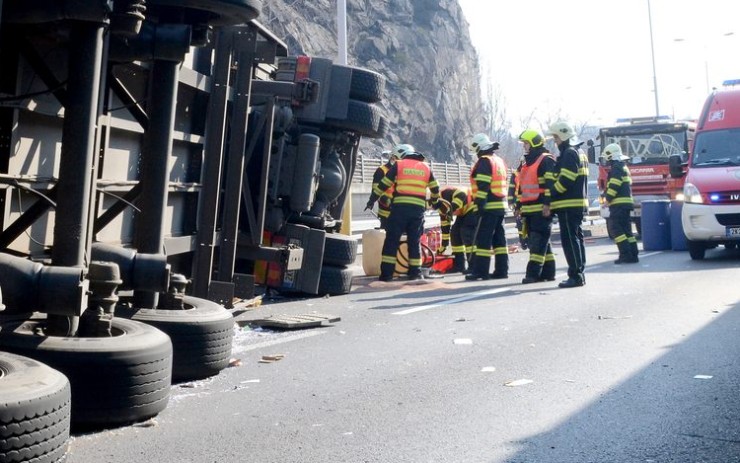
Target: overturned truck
158,158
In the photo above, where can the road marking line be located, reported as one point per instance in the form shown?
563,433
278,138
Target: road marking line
307,334
453,300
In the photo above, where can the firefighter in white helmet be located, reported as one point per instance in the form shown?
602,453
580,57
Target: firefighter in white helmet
489,186
410,177
568,199
618,196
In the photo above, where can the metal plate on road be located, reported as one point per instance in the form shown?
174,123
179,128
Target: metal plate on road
293,322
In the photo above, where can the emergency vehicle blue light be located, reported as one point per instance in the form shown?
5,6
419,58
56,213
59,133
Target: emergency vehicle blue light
714,197
730,82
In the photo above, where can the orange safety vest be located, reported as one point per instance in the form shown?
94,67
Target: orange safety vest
528,187
499,182
412,179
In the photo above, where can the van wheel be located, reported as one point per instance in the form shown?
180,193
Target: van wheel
201,336
696,250
115,380
34,411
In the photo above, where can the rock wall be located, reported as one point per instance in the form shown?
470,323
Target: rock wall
433,95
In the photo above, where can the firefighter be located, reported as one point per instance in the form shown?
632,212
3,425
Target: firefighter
385,197
511,198
569,200
532,196
489,186
618,196
410,177
461,232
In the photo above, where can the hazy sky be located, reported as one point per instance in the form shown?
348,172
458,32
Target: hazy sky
591,59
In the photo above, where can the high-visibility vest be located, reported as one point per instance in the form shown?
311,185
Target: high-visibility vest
529,188
412,179
499,180
459,199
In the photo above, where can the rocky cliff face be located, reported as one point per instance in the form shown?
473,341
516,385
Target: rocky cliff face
433,96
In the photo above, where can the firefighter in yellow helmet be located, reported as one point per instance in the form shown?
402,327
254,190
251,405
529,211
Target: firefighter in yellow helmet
385,197
532,197
619,197
489,186
568,199
410,177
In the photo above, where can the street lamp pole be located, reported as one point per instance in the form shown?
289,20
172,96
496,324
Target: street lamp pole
652,52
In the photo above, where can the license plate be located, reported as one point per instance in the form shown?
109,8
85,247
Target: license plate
733,232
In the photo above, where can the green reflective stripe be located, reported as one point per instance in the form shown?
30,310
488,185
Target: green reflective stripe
550,257
413,200
565,203
483,178
616,182
416,262
561,189
445,223
620,238
495,205
384,213
483,252
445,236
537,258
458,249
500,250
550,175
530,208
481,194
378,191
388,259
569,174
621,200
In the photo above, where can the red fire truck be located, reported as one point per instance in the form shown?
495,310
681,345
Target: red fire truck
649,142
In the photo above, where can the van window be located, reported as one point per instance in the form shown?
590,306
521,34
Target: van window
717,148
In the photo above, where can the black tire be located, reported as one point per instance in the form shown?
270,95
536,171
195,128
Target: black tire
201,336
115,380
35,407
339,249
365,85
362,118
335,280
696,249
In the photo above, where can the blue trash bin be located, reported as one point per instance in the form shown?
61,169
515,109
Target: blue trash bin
678,237
656,225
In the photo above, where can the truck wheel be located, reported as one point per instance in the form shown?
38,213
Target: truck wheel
35,409
201,336
365,85
696,250
339,249
363,118
335,280
115,380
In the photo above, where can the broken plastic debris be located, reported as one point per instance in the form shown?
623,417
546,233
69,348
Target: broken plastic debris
235,362
271,358
147,424
608,317
250,381
703,377
463,341
488,369
518,382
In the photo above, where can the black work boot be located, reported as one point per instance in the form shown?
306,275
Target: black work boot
501,266
532,275
548,271
572,283
459,265
624,253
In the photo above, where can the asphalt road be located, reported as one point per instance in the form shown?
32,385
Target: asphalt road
640,365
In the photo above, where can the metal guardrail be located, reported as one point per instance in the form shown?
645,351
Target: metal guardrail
445,173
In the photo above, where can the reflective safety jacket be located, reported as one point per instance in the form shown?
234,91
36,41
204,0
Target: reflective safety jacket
571,180
619,186
535,181
411,179
489,184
